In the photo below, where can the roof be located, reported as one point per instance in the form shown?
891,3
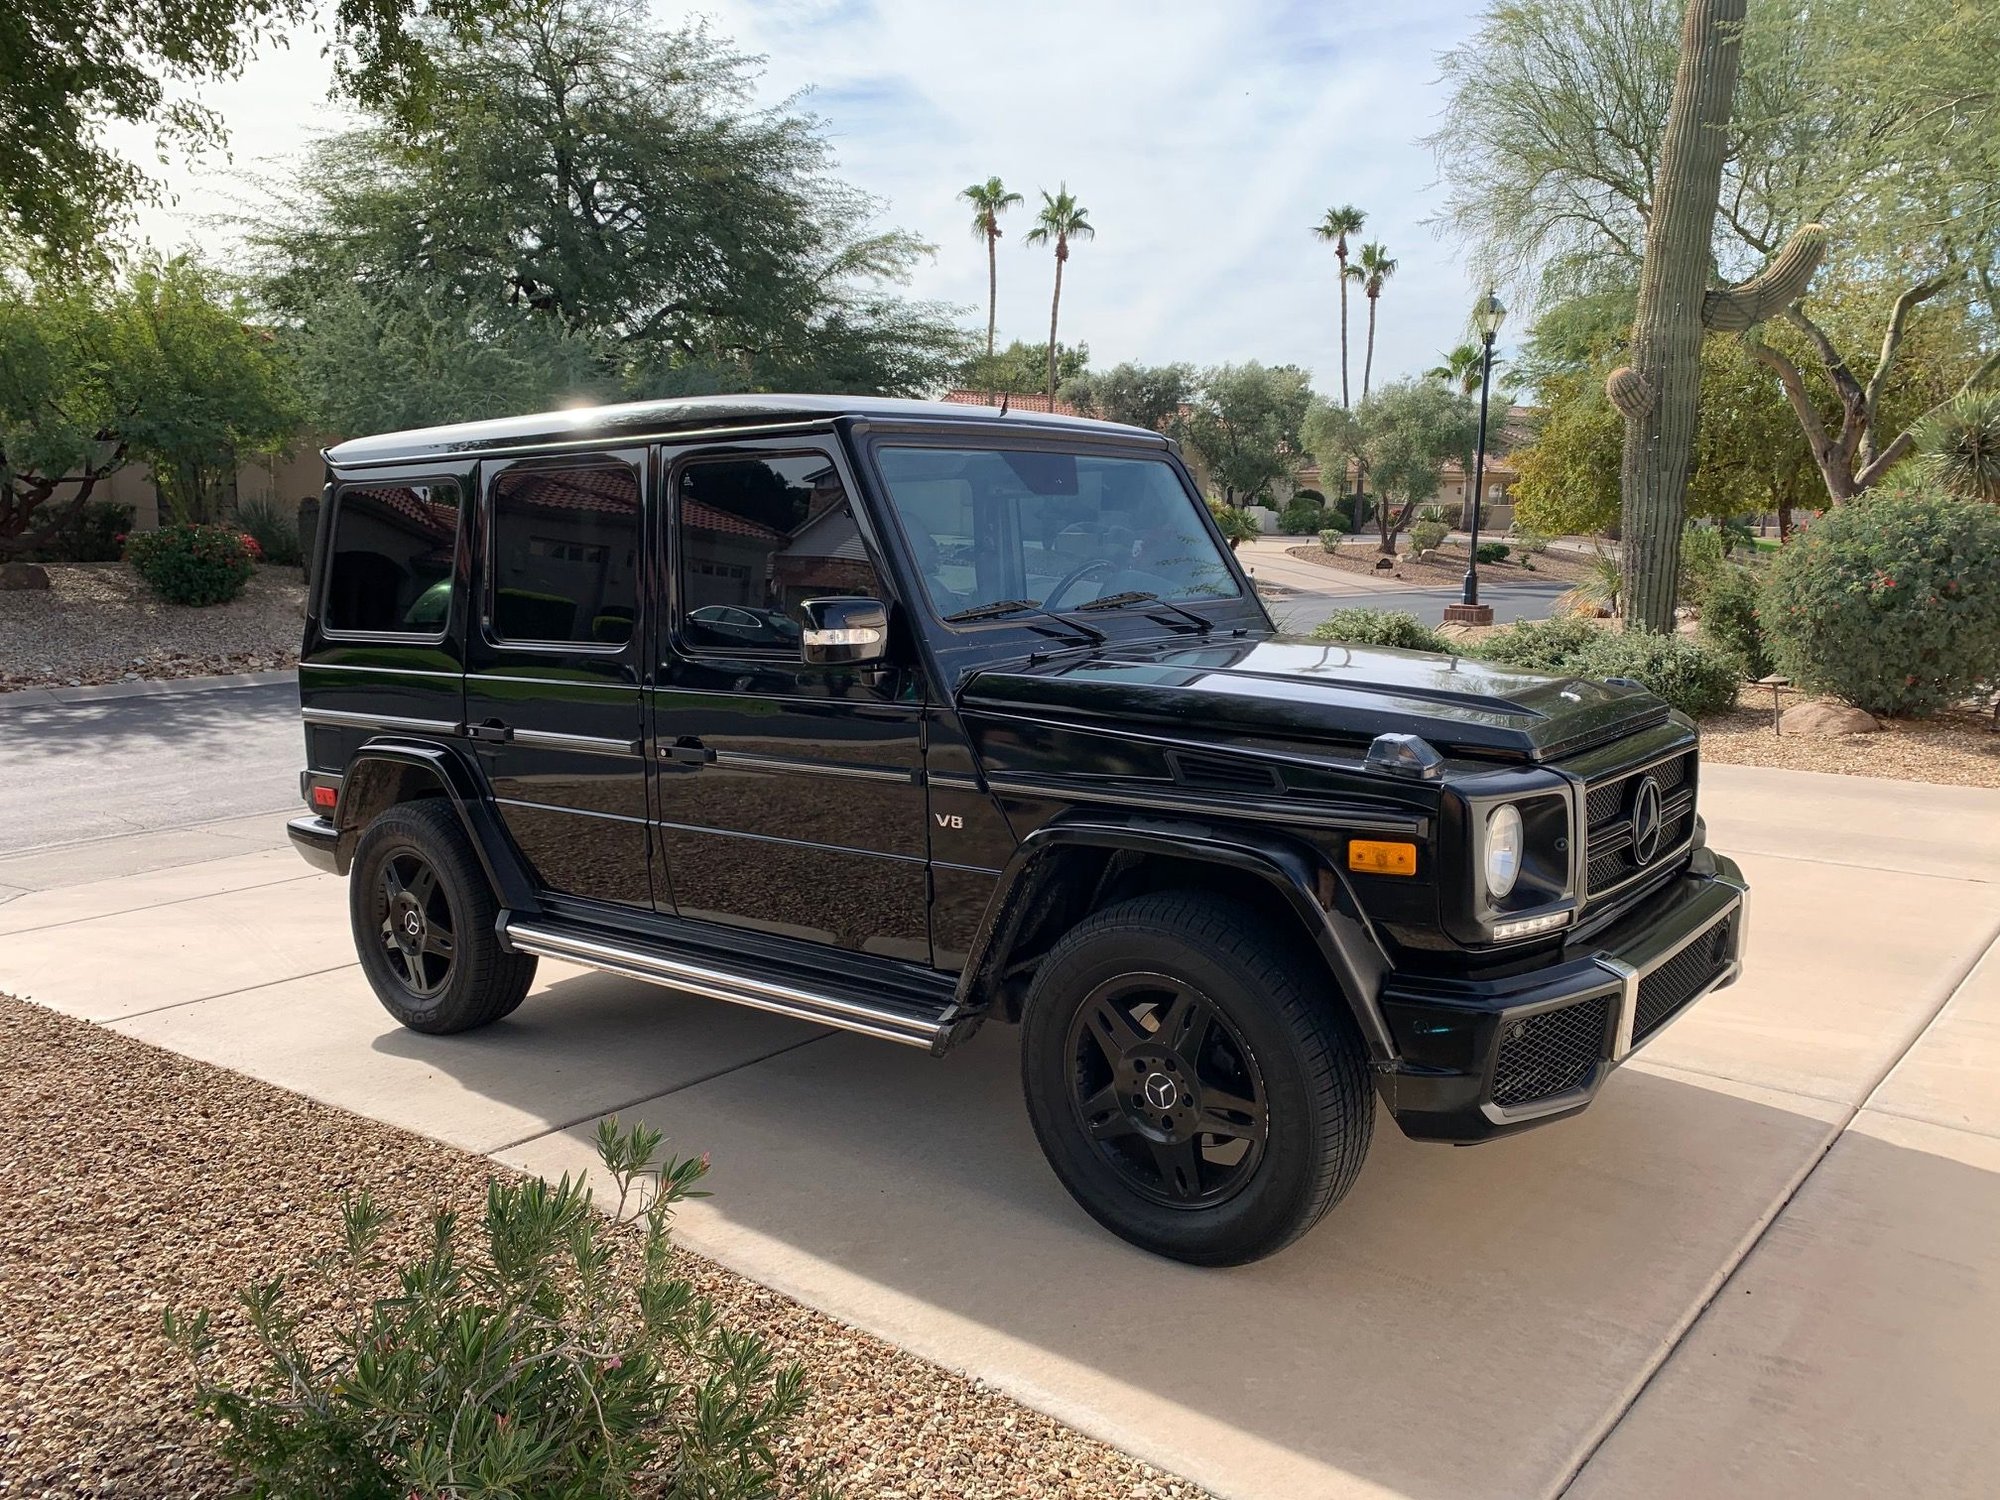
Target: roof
638,421
1016,401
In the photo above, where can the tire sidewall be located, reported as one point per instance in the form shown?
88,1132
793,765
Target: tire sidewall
395,833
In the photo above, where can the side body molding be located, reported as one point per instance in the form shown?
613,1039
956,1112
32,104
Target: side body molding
1313,888
380,774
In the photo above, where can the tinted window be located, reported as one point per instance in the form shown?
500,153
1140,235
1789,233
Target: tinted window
565,555
390,559
757,537
1057,528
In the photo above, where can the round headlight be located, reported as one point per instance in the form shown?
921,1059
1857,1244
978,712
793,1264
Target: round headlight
1503,850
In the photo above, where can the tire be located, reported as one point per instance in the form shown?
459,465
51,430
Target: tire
423,918
1277,1066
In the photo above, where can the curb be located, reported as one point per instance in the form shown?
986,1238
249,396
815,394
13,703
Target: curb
151,687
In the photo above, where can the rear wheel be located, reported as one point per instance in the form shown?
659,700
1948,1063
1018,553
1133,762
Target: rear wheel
1195,1083
423,919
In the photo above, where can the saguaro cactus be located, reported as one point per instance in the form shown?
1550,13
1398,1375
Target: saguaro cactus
1658,391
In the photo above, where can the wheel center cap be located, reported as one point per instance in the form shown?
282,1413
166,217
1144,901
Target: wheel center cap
413,923
1161,1091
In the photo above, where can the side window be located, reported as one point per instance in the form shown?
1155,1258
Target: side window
757,537
564,556
389,560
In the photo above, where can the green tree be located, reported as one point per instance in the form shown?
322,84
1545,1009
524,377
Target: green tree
989,200
583,166
1150,396
1372,269
1461,367
1334,229
1243,427
75,67
1022,367
1404,434
1061,220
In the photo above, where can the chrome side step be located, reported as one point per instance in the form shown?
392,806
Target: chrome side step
933,1033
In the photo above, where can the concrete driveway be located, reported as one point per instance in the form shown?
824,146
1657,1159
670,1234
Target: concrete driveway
1767,1263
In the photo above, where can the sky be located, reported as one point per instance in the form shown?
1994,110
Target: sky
1204,137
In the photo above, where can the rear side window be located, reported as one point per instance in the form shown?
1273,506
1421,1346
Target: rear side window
389,567
565,555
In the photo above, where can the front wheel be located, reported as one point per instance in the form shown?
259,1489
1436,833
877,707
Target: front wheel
1198,1088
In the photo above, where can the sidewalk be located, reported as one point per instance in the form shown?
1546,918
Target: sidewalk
1765,1263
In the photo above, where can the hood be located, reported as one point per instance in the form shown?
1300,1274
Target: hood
1329,694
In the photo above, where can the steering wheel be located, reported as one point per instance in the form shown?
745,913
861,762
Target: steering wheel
1076,575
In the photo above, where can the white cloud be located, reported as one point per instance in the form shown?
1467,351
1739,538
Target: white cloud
1205,140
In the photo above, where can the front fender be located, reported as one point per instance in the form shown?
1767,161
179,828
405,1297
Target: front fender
384,772
1312,888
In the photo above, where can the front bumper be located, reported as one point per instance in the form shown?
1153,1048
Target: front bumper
316,841
1482,1058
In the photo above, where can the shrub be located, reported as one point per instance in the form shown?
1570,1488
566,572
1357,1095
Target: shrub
1891,602
1729,620
552,1357
95,533
1540,645
1380,627
1301,518
1237,526
1494,552
1960,446
1424,535
1696,679
190,564
1530,543
1701,562
1330,539
275,531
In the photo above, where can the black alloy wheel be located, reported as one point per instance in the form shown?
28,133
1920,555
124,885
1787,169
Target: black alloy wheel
1167,1090
418,927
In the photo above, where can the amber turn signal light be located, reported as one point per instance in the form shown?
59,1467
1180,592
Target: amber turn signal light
1371,857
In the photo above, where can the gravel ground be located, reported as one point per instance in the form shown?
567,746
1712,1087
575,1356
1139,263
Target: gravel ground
1957,749
132,1180
1358,556
96,622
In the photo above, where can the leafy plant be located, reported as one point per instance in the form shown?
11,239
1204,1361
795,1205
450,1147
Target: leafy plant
1540,645
1381,627
1428,534
1237,526
1330,539
1891,603
552,1357
275,531
192,564
1701,562
1599,589
1301,518
1729,620
1530,543
1696,679
89,533
1494,552
1960,444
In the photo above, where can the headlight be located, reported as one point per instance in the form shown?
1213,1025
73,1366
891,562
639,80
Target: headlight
1503,850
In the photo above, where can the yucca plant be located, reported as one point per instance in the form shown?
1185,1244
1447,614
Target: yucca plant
1959,444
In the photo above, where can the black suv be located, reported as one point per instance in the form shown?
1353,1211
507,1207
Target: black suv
900,717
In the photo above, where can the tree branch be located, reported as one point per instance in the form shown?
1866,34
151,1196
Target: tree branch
1827,454
1892,336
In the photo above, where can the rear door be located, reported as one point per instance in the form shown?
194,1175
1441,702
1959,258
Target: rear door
552,698
789,797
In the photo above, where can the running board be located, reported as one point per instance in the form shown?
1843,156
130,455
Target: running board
913,1025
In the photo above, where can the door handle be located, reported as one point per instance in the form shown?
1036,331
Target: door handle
687,752
492,731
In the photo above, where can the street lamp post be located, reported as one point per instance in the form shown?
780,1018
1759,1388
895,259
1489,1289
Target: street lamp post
1487,317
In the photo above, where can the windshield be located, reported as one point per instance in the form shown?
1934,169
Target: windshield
1050,529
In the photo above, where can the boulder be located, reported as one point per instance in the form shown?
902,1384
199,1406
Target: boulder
20,575
1818,718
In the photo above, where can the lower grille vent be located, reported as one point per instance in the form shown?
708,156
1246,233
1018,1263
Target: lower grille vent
1667,990
1544,1055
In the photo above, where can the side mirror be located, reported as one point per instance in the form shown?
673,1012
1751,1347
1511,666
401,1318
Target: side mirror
844,632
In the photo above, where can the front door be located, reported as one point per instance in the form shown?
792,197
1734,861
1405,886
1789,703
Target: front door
789,797
552,698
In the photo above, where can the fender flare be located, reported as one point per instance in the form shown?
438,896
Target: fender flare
373,782
1314,889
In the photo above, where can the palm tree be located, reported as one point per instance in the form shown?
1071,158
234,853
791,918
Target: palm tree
1060,221
1461,368
989,200
1372,269
1338,224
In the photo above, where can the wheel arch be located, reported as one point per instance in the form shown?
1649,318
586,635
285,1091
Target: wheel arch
383,774
1063,871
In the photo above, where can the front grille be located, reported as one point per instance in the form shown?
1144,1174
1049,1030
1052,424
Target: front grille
1608,808
1551,1053
1666,991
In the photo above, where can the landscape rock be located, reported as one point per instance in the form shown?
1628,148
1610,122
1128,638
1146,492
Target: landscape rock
1818,718
21,576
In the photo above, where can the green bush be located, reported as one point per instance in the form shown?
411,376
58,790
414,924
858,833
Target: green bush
1701,562
1236,525
1540,645
94,533
1381,627
275,531
1425,535
1696,679
1330,539
553,1357
1531,543
192,564
1891,602
1494,552
1729,620
1301,518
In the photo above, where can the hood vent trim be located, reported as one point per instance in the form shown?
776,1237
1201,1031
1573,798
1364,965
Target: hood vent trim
1223,773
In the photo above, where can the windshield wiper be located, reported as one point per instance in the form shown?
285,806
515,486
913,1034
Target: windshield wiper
1141,596
1001,607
